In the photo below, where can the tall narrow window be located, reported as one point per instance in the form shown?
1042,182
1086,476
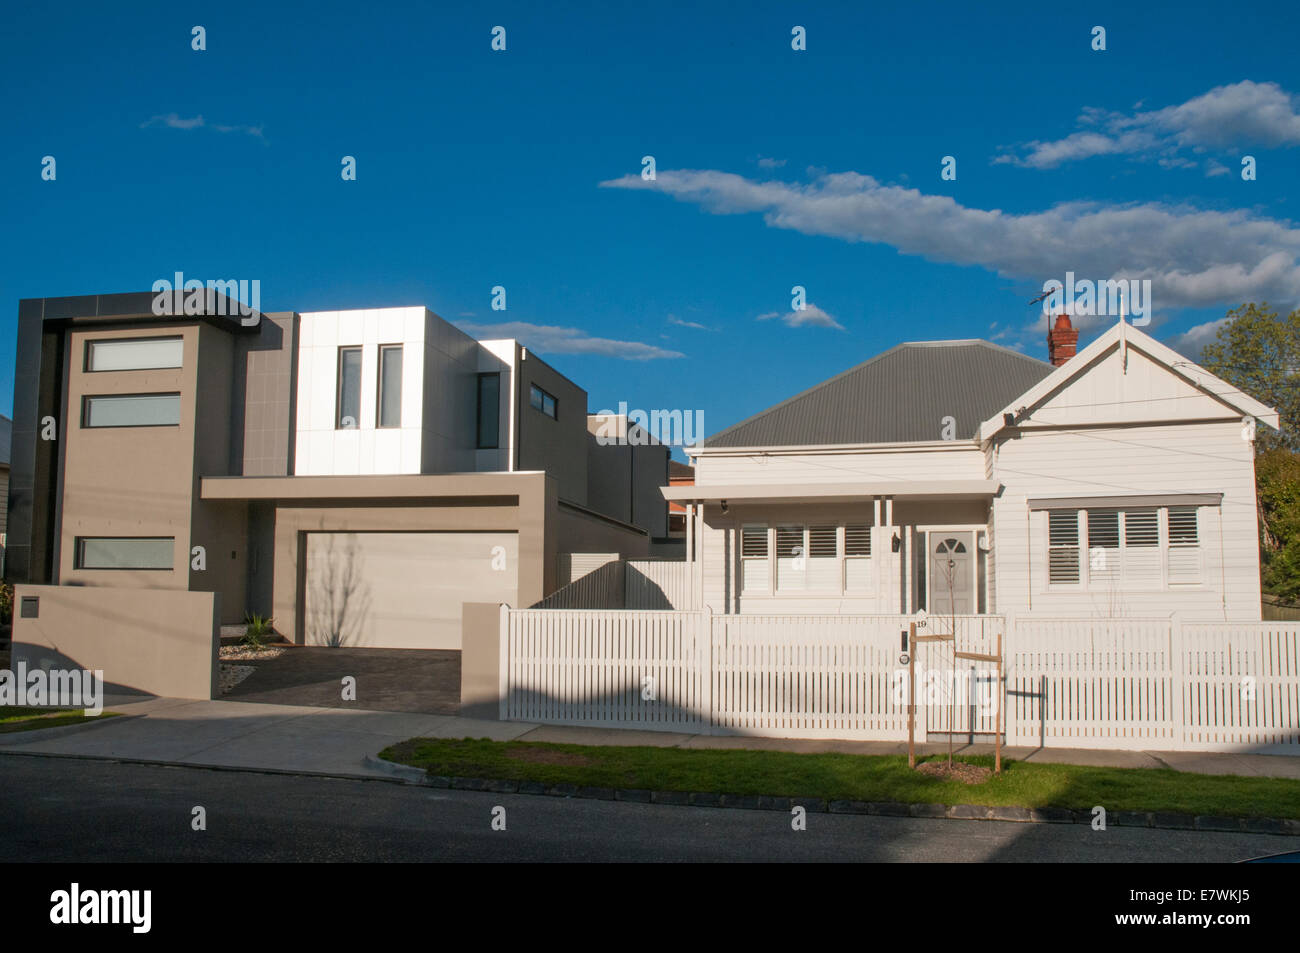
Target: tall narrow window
1103,547
390,386
791,558
349,389
857,557
1184,558
823,562
489,411
753,559
1141,550
1063,547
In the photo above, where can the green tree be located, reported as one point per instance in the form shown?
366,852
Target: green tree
1277,478
1259,353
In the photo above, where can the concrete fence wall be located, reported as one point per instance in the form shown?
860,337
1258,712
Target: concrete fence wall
156,641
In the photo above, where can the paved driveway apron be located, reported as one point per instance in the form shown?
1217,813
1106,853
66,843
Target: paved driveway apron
409,680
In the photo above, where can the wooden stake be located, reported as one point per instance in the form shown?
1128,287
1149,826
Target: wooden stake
911,695
1001,697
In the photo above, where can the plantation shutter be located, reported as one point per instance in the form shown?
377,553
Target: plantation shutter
1184,556
1063,547
1103,547
1141,550
857,558
753,559
791,558
823,553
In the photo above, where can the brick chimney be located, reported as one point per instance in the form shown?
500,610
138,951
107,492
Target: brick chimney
1061,341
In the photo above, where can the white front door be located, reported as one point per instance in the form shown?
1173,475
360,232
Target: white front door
952,573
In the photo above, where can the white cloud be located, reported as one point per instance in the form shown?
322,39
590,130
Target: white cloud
766,163
1229,118
551,339
810,316
173,121
1193,257
1190,342
673,319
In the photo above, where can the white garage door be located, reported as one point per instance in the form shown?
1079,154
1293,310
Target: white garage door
403,590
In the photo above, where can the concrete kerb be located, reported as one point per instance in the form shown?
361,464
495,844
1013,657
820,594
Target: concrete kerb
16,739
1283,826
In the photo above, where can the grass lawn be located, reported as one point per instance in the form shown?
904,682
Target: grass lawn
851,777
25,718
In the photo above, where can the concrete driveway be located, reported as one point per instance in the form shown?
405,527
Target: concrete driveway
424,681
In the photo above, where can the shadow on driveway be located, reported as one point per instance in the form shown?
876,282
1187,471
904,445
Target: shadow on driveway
411,680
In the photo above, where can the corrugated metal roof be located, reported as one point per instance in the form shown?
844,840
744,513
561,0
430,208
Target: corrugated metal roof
899,396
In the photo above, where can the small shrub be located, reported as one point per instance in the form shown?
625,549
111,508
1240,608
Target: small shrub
257,628
6,603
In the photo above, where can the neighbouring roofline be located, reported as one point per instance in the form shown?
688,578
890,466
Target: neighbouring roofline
833,448
969,342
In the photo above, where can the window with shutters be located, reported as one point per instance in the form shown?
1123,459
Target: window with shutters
1138,550
1142,568
1103,547
1184,556
791,559
823,559
753,559
1063,547
857,557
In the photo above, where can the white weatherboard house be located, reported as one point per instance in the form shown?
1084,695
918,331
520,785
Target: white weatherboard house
1115,482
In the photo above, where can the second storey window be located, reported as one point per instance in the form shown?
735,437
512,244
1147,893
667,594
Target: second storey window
489,411
542,401
132,410
140,355
349,389
390,386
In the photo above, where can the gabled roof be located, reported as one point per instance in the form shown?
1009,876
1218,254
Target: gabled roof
1162,354
900,396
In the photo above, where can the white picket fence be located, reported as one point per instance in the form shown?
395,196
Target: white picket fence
1089,683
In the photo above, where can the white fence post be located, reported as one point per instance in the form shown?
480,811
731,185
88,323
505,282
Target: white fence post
1010,734
1178,679
503,665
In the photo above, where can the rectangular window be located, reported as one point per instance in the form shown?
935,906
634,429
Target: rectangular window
857,558
145,354
349,389
1103,547
791,558
390,386
1142,550
132,410
1184,557
125,552
489,411
823,561
1063,547
542,401
753,559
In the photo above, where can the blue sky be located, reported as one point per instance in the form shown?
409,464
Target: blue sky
775,168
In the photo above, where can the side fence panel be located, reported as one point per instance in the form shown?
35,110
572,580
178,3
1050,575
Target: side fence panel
1091,683
1241,686
617,669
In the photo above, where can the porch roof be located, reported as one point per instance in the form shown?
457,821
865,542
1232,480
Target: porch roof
834,492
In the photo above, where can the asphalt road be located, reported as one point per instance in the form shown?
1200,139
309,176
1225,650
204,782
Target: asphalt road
69,810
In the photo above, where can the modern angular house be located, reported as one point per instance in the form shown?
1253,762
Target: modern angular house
356,475
963,477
